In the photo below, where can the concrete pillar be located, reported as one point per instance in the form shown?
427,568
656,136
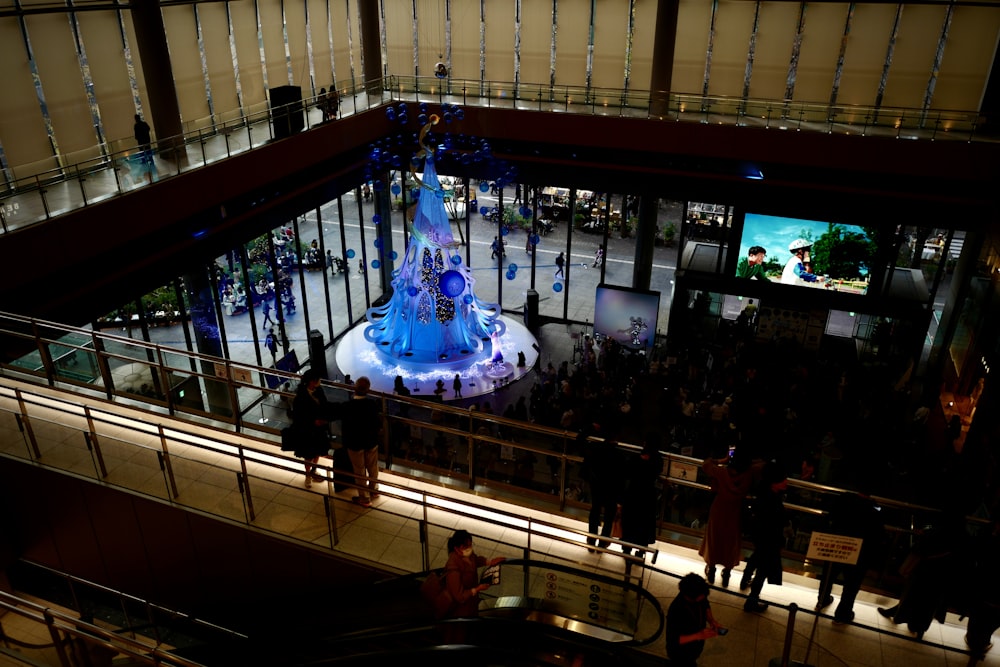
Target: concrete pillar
664,41
371,49
151,40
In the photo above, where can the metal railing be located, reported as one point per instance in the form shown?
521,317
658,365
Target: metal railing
119,167
77,431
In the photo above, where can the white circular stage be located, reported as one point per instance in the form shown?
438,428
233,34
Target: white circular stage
357,356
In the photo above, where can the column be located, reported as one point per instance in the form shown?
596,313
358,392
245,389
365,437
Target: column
645,241
371,49
151,40
664,41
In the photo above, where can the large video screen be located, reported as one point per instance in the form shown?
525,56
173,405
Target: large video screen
807,253
627,315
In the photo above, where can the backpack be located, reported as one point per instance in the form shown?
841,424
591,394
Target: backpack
435,593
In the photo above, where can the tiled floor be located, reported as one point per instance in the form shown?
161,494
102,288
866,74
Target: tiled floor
387,534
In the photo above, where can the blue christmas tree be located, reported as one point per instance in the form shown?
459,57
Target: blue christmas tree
434,316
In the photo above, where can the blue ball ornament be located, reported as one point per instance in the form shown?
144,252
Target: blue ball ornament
512,267
484,187
403,119
535,238
452,283
422,119
467,299
510,275
456,259
483,210
473,202
412,291
393,255
423,107
504,230
557,287
395,189
350,254
390,113
377,242
525,211
376,218
376,263
459,114
447,117
401,107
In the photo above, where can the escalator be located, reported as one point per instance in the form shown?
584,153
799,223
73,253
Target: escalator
540,614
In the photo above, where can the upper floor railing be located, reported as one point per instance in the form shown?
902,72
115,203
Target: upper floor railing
36,192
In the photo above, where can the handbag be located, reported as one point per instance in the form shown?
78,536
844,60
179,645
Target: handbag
288,439
435,593
616,525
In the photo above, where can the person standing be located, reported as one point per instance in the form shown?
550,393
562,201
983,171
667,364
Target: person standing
752,266
560,262
639,506
332,103
360,430
142,133
731,479
495,247
853,515
310,420
599,256
603,471
322,105
767,531
690,622
457,385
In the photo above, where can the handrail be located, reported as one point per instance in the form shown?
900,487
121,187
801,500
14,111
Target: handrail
465,507
911,123
58,622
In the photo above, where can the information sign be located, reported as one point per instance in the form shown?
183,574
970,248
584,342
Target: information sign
835,548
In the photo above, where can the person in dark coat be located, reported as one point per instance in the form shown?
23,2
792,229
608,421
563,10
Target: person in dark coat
142,133
310,420
853,515
928,573
767,531
603,471
984,593
642,471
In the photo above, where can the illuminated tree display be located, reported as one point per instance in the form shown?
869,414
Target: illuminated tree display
434,315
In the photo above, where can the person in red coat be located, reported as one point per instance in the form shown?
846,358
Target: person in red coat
461,576
731,479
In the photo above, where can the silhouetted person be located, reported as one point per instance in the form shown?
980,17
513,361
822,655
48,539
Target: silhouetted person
141,130
689,622
603,472
642,471
767,531
853,515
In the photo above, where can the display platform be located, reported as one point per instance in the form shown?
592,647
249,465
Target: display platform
356,357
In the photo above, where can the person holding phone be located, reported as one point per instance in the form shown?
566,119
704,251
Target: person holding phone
690,622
